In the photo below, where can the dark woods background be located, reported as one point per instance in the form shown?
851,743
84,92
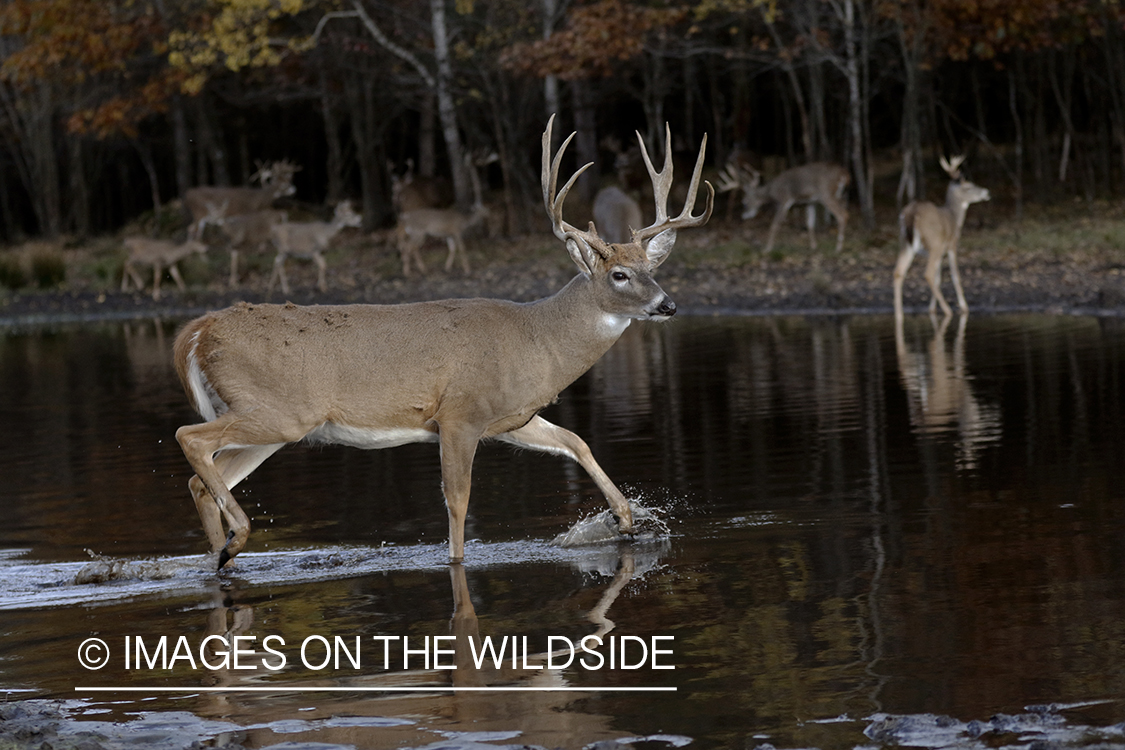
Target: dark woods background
111,108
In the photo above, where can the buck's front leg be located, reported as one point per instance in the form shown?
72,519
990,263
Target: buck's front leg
542,435
458,447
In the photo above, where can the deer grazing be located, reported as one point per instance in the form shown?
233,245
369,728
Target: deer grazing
454,372
201,202
449,224
819,182
309,239
160,254
248,232
938,229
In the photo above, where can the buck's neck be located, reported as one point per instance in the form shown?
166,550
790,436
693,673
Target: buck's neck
572,329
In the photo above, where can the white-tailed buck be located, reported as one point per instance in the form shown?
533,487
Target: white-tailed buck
938,229
160,254
248,232
309,239
819,182
454,372
415,226
277,182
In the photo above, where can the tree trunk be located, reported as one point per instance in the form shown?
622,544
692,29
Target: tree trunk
1013,107
182,145
447,109
212,143
798,96
78,198
335,159
855,116
586,142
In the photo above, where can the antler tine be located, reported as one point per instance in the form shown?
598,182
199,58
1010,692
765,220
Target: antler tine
685,219
952,166
729,178
662,180
552,200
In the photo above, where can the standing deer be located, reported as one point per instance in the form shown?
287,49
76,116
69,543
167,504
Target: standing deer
616,213
159,254
410,192
819,182
277,182
248,232
449,224
309,239
454,372
938,229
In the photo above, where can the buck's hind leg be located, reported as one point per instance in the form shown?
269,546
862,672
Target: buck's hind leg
541,435
216,475
234,465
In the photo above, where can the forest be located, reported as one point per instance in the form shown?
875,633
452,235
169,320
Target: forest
114,108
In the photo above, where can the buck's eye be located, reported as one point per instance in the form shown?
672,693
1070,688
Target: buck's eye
619,276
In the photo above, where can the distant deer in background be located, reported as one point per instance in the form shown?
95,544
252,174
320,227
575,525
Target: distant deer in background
248,232
277,182
410,192
309,239
616,214
819,182
938,229
160,254
449,224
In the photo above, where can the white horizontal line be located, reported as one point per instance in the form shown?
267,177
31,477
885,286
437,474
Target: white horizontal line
314,689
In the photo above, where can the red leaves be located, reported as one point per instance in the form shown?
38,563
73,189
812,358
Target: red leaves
597,36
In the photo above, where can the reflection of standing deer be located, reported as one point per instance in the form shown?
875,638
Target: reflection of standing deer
940,394
938,229
453,372
159,254
820,182
309,239
277,182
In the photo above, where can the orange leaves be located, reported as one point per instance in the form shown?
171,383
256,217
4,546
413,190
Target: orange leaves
71,40
984,29
597,36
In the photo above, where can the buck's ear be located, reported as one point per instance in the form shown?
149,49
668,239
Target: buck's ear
660,246
582,255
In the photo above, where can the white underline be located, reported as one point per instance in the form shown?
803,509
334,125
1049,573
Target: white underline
434,689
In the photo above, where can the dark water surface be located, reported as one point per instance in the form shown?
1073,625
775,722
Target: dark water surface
927,526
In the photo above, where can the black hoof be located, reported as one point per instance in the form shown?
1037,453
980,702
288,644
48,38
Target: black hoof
224,556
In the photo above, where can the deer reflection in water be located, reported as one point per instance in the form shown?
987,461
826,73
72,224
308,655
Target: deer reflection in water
940,392
543,717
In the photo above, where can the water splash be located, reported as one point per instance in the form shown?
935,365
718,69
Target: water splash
601,528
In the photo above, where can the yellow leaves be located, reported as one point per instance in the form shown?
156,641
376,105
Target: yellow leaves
239,36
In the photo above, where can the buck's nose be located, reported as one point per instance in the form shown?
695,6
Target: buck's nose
667,307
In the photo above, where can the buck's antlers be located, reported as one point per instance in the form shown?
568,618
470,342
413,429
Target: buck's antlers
576,238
